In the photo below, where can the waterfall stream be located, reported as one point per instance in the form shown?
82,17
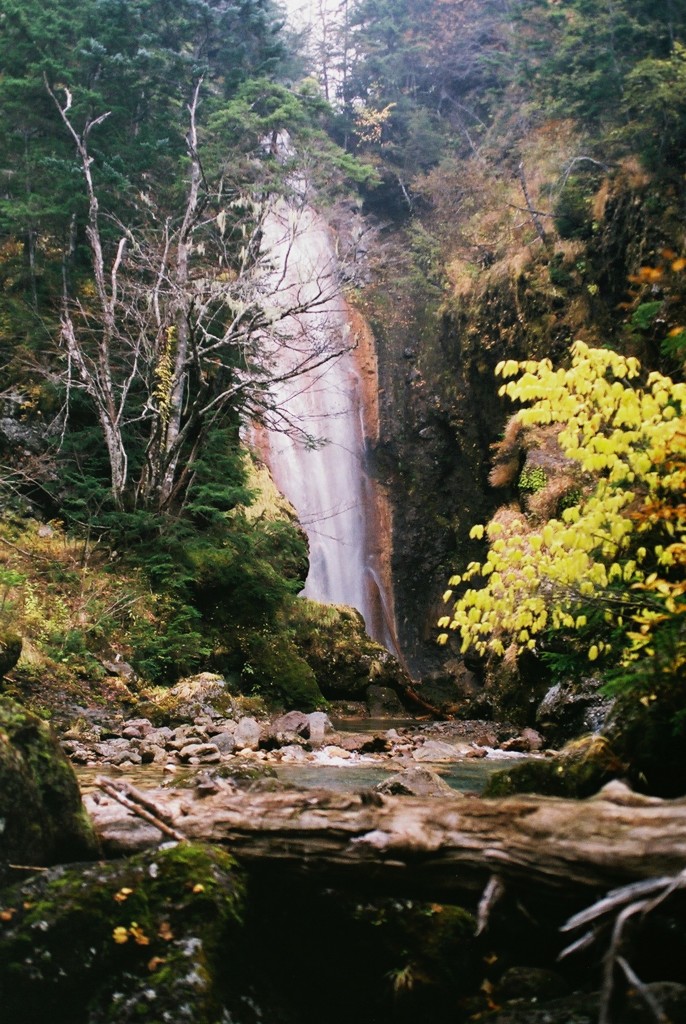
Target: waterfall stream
332,397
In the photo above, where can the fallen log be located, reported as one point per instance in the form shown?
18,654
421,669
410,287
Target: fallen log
439,849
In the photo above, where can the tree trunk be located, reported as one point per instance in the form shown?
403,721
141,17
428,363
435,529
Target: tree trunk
438,849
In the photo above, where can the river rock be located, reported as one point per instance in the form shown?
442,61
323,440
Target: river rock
160,736
221,725
332,753
415,782
364,742
137,728
200,753
184,735
248,734
288,729
293,754
437,750
292,721
152,753
114,751
319,725
78,753
527,742
224,741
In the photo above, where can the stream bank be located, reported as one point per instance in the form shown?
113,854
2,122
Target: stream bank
178,933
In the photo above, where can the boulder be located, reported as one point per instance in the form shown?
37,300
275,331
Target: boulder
332,639
248,734
142,938
415,782
578,771
449,688
319,726
437,750
41,815
203,694
572,708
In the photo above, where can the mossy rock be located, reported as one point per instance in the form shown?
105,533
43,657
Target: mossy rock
579,770
203,694
43,821
274,668
10,650
145,939
345,660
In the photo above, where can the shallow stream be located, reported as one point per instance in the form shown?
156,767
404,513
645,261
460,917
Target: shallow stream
468,775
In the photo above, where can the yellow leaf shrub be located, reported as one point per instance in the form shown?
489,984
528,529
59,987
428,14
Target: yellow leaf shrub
623,546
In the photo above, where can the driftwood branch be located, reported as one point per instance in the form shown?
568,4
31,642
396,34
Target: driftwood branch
139,805
439,849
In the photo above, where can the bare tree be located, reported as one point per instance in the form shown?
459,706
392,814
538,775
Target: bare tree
192,320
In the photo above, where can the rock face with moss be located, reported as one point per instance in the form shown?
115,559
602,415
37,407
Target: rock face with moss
149,938
440,410
41,817
345,661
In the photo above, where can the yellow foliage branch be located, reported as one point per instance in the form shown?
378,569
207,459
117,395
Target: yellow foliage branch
622,545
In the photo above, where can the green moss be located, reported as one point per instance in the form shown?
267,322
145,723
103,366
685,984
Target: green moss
582,767
10,650
40,803
137,939
345,660
274,669
533,479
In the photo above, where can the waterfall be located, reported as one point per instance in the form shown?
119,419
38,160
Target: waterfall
332,396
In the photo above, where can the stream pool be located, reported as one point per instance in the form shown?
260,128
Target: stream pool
468,775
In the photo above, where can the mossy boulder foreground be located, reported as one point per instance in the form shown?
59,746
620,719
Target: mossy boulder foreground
42,820
143,939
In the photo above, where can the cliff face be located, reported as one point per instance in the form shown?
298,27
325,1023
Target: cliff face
438,344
